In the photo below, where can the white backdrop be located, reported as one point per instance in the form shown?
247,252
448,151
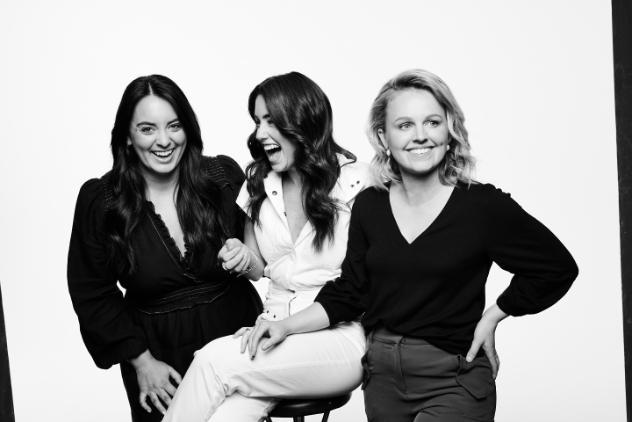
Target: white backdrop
533,77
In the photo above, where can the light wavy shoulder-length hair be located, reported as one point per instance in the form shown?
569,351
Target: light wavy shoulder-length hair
458,163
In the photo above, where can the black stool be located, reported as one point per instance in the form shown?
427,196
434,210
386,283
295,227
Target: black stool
299,408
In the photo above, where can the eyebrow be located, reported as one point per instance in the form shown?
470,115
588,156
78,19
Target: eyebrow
153,124
426,117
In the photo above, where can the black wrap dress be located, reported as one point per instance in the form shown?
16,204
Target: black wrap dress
168,306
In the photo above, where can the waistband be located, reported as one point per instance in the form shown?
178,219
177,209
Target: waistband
185,298
384,335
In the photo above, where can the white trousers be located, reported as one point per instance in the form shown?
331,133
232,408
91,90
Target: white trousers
224,385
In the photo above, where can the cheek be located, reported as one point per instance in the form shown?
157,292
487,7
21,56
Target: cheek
140,145
395,139
180,138
442,135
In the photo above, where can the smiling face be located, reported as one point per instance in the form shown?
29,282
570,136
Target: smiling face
157,136
416,132
281,152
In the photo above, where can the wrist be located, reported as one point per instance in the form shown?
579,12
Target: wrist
141,360
495,314
252,271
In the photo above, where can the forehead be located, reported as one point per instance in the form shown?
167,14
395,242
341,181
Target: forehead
413,102
152,108
261,109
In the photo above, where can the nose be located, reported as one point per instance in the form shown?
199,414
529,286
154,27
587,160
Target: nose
162,139
262,132
420,133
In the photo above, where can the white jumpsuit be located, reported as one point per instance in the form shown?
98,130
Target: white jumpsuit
223,384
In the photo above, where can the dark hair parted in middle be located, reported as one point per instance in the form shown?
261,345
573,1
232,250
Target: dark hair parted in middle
198,198
301,112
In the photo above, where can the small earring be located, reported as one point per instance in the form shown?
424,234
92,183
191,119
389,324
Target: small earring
388,153
448,147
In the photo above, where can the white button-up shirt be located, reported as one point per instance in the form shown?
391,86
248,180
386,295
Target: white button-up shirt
295,269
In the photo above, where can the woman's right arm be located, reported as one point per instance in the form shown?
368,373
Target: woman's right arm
106,326
243,258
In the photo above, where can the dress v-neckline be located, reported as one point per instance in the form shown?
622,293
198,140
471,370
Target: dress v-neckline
165,235
424,231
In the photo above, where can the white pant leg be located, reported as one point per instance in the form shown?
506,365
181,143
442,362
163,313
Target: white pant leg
322,363
238,408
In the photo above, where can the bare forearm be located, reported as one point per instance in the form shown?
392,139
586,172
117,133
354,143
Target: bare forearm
312,318
254,272
257,264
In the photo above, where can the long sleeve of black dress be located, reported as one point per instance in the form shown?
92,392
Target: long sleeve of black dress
434,287
106,326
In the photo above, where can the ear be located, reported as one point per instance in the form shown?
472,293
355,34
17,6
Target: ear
380,135
129,141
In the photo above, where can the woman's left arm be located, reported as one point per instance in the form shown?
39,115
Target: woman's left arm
543,269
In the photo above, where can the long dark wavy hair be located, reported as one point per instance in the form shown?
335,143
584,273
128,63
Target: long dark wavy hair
198,197
301,112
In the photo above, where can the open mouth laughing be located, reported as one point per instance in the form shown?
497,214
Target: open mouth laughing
271,149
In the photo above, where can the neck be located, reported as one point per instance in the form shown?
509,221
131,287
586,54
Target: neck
160,185
293,176
421,189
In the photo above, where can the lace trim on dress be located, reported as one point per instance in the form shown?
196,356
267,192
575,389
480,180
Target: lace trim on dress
169,241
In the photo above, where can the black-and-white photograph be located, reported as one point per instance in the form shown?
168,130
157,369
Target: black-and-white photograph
402,211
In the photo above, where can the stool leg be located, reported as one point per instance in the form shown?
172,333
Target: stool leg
326,416
299,418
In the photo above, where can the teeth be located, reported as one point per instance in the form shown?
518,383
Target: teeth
420,151
163,154
270,147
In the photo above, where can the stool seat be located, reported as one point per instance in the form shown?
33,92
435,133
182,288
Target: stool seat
296,408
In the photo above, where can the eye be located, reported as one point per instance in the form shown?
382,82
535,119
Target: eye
404,125
147,130
433,123
175,126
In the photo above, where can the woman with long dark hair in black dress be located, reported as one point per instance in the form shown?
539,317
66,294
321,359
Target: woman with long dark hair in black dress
155,224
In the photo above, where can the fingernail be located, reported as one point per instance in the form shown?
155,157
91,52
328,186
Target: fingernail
469,359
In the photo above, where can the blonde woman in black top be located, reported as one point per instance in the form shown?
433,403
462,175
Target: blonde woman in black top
421,244
155,224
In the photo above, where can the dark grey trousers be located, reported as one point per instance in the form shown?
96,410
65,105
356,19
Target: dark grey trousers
409,380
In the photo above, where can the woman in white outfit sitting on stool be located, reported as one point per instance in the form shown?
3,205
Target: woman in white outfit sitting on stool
299,193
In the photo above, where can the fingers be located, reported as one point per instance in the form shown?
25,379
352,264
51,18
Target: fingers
175,376
164,398
243,263
236,262
490,352
170,389
474,348
255,337
244,340
221,253
156,402
270,342
232,243
241,332
143,401
229,245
